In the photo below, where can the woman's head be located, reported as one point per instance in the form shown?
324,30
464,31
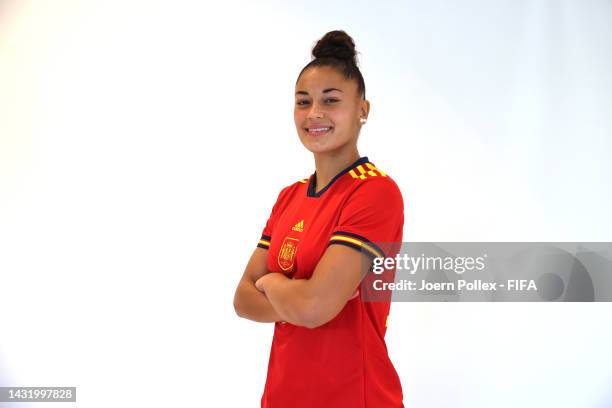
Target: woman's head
330,95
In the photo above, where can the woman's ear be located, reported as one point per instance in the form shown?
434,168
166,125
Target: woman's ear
364,109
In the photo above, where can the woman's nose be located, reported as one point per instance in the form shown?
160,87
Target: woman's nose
315,112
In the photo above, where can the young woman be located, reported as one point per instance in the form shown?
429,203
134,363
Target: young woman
328,348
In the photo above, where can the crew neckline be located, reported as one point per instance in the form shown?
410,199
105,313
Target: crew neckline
312,183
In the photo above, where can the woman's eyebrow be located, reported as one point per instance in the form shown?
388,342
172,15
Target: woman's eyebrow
326,90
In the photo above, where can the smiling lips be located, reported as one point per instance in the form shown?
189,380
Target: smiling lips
318,130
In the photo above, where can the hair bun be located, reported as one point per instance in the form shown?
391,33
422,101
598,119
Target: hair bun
335,44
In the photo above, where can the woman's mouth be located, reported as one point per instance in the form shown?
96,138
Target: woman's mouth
319,131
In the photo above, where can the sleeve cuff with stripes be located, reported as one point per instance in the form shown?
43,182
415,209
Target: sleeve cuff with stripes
264,242
357,242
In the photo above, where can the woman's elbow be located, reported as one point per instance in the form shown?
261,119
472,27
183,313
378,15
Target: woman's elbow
314,321
312,324
238,306
313,315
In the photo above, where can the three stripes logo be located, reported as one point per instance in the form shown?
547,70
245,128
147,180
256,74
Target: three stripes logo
299,227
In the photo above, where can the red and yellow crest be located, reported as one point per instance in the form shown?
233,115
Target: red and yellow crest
286,254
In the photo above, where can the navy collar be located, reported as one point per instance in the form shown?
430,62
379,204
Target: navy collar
312,184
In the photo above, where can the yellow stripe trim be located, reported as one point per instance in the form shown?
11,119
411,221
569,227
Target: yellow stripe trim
356,242
261,241
362,171
371,167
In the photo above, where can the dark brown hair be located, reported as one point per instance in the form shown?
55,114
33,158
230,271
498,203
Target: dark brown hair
337,49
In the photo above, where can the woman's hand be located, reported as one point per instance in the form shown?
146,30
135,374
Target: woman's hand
268,279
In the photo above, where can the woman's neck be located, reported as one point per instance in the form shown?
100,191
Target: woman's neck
327,165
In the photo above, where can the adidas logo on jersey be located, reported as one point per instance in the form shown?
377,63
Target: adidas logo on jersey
299,227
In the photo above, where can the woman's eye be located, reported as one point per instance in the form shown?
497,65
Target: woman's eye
328,100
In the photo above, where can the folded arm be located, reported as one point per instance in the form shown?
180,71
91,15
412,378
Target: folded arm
249,302
315,301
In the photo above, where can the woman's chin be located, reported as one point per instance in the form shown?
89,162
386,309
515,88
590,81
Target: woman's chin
325,146
318,148
318,145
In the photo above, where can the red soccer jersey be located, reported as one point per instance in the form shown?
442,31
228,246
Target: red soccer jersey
344,362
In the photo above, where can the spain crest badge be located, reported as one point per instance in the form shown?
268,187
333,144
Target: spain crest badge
286,254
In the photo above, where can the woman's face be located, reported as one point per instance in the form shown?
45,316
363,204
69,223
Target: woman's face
328,110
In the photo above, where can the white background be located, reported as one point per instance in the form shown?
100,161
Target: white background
142,145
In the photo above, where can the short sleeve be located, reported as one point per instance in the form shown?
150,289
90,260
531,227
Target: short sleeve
266,234
373,214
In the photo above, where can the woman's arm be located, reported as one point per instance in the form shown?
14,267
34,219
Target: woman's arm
315,301
249,302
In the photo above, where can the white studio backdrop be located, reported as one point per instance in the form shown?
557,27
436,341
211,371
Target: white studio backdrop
142,145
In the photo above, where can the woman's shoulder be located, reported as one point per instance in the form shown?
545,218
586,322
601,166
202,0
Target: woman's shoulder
288,191
375,181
